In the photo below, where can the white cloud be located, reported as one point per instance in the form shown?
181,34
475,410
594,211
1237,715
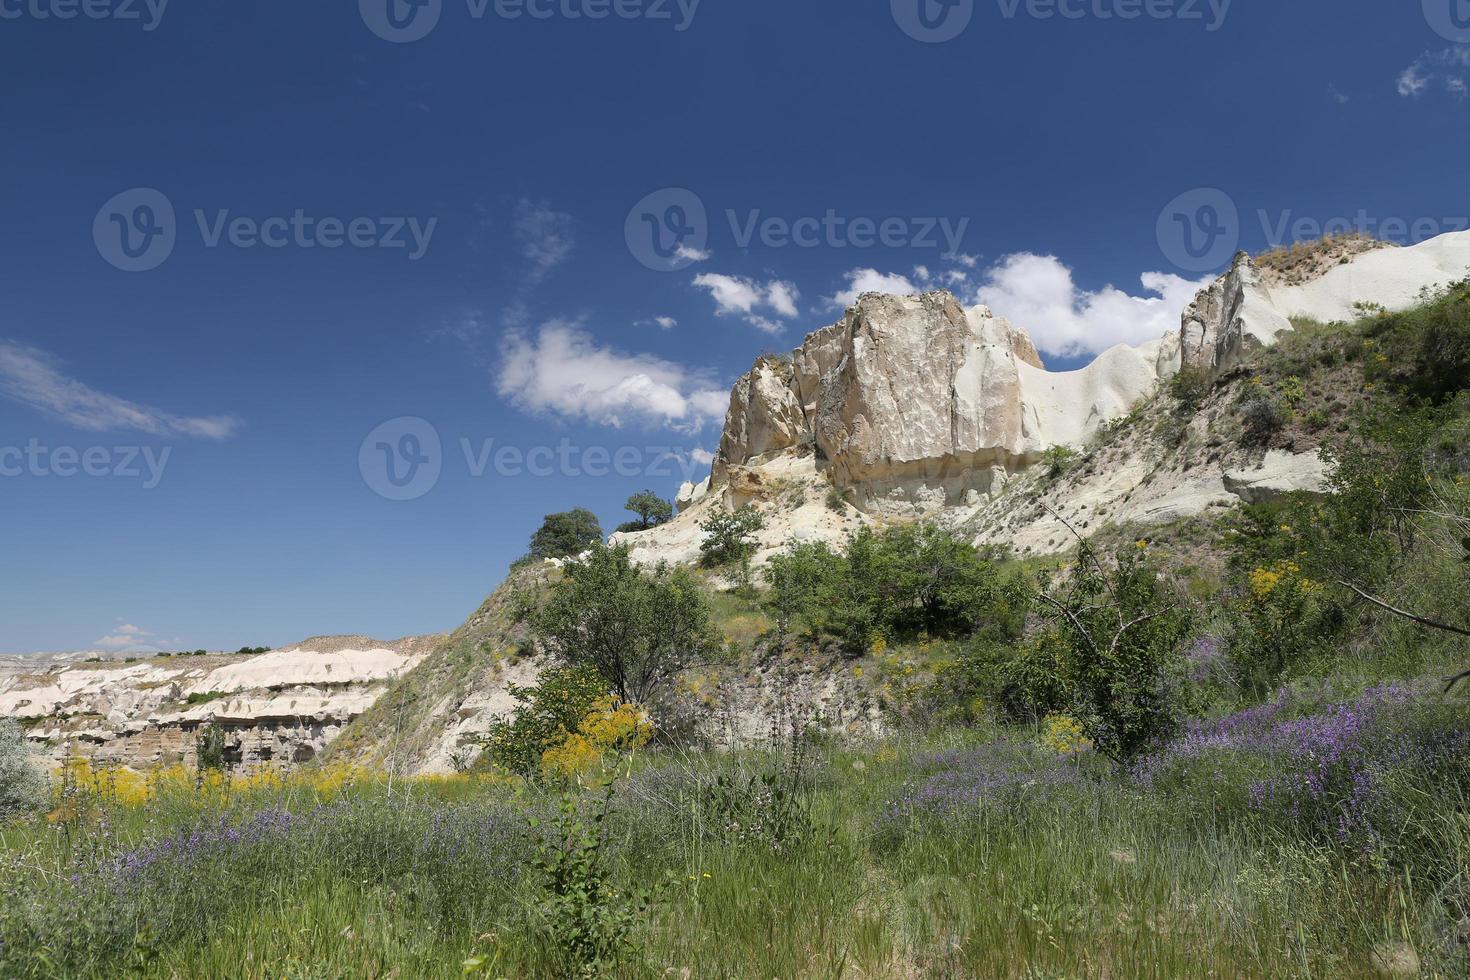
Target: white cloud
1447,68
545,236
562,370
738,295
702,457
1412,82
688,253
123,637
1037,292
663,322
861,281
1337,95
33,377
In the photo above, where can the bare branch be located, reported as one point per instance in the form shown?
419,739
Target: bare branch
1076,623
1412,617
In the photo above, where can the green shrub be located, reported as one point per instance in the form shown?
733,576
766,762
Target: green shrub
1119,633
803,580
636,628
1261,418
544,715
729,538
585,919
22,786
209,749
1057,460
901,583
1189,388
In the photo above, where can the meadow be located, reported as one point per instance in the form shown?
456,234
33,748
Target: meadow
1314,835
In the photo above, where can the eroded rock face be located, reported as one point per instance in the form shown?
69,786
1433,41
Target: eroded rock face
280,708
1233,315
915,400
765,415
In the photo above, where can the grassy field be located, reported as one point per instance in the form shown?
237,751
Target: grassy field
1312,836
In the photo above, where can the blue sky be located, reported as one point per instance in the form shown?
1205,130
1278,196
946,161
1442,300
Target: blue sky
185,457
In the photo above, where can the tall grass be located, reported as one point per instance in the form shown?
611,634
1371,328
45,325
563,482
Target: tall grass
961,854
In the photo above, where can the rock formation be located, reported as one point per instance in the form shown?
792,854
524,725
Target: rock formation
1233,315
917,401
279,708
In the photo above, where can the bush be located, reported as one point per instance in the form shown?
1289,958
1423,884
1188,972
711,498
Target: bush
1189,388
22,786
1120,634
900,583
803,580
729,538
638,629
543,717
1260,419
1058,460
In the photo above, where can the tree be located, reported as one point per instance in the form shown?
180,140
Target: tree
22,787
568,533
638,629
1121,634
729,538
652,510
803,580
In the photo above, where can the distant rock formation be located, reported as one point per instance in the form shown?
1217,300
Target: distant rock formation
277,709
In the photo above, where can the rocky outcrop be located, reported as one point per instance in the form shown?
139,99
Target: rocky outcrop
1226,320
1279,474
916,401
765,415
278,708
